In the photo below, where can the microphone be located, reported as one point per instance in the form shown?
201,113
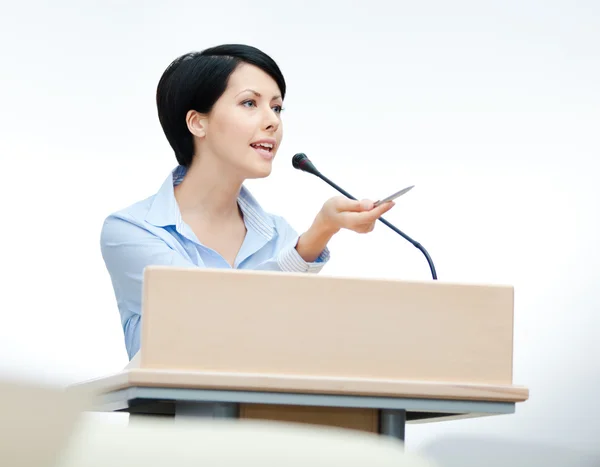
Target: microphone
301,162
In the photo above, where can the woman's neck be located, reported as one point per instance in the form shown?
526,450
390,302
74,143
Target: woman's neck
208,193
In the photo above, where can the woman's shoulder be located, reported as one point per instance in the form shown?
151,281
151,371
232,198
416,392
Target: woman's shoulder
129,222
134,213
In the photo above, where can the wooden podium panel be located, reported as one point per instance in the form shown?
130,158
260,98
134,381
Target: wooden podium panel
302,324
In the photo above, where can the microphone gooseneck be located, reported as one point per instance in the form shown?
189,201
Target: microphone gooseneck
301,162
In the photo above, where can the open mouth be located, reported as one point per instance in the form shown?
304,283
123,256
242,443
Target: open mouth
264,149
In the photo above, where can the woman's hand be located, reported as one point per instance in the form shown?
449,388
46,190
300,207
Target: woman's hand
339,213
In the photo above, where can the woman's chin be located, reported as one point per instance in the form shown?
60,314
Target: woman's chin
264,173
260,170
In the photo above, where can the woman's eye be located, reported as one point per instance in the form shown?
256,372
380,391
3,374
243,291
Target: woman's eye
252,103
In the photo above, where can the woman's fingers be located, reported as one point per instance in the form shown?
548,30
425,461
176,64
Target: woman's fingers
343,204
359,216
364,221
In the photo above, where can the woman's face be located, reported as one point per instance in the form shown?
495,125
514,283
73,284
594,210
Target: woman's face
244,131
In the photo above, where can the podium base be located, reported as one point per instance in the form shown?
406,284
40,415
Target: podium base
386,422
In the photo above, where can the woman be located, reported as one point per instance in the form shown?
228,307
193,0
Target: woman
221,113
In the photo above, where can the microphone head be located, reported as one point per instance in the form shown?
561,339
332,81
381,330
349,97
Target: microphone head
301,162
297,159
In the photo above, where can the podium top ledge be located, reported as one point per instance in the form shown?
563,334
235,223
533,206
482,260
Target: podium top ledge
285,383
322,276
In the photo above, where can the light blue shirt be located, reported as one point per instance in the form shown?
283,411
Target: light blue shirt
152,232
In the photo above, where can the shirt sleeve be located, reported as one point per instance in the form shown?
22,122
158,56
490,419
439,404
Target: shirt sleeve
127,249
288,259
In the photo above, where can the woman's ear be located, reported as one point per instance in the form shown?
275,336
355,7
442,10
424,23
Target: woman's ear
196,123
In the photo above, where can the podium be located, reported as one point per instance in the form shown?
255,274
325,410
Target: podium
356,353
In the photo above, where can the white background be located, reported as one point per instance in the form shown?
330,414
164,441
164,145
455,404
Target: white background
492,109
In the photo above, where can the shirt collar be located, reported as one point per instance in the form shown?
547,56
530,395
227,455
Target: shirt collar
164,210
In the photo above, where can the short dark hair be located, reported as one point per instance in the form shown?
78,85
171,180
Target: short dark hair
195,81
